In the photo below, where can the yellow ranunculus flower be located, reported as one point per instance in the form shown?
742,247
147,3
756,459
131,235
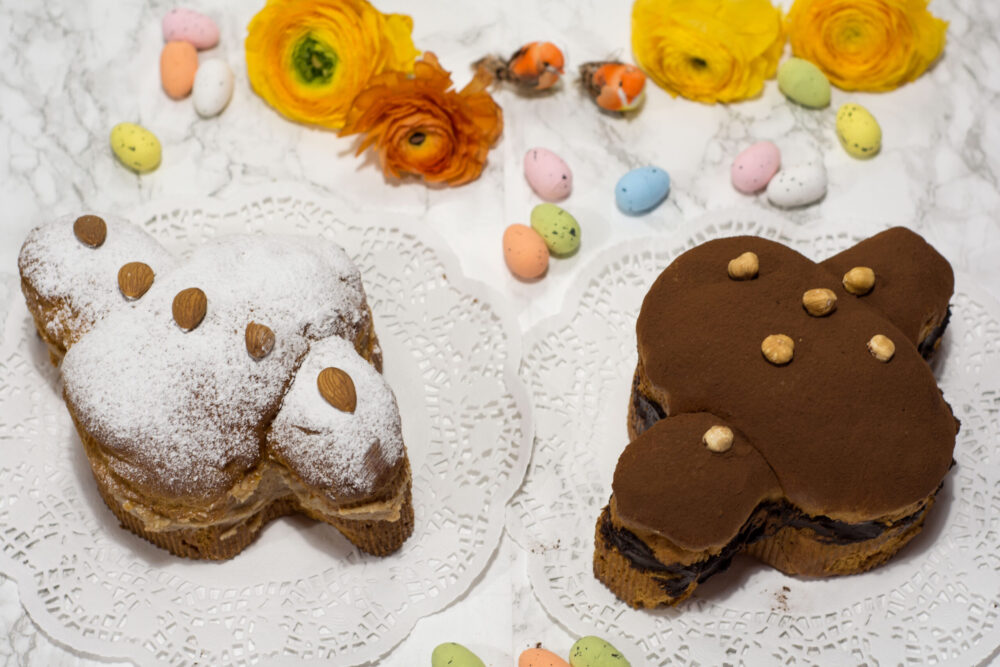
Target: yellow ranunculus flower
310,58
866,44
708,50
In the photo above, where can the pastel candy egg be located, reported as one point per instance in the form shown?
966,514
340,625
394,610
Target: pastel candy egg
858,131
187,25
641,190
799,185
804,83
547,174
525,252
595,652
213,88
539,657
178,64
136,147
559,230
755,166
454,655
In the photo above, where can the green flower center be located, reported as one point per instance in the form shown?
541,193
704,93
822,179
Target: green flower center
314,61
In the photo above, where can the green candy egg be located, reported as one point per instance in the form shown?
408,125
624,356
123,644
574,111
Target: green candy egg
595,652
804,83
136,147
454,655
858,131
559,230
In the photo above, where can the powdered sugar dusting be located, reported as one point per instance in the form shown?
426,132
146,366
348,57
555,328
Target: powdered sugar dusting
61,268
344,454
184,412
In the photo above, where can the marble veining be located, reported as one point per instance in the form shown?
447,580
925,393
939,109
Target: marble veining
74,69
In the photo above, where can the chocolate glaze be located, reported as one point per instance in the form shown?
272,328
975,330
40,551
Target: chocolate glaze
928,345
846,436
767,520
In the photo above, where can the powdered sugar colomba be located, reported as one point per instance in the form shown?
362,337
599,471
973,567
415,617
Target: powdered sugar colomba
183,412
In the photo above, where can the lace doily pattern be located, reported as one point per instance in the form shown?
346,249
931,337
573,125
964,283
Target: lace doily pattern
300,591
934,603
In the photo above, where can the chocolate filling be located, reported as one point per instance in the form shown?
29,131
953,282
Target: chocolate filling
765,522
926,346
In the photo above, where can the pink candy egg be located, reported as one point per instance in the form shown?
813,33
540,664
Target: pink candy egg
547,174
187,25
178,65
754,167
525,252
539,657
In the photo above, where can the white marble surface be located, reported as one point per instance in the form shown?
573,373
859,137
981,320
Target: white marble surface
74,69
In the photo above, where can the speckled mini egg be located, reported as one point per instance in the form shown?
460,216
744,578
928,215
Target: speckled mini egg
187,25
136,147
178,64
525,252
539,657
213,88
858,131
804,83
547,174
595,652
798,185
641,190
454,655
755,167
559,230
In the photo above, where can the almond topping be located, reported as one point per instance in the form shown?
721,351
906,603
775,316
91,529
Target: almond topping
859,280
718,439
337,388
134,279
90,230
189,308
778,349
819,302
260,340
744,267
881,347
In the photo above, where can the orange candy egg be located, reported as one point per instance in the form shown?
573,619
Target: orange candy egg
525,252
539,657
178,64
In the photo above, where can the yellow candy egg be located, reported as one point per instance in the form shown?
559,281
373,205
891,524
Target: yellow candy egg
525,252
135,147
858,131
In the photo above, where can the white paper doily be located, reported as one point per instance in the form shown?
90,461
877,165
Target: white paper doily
935,603
301,590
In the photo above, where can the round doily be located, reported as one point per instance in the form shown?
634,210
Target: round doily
301,590
936,602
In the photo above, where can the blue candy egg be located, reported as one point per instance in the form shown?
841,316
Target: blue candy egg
641,190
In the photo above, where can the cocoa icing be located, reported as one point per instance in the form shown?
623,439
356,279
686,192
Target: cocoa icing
913,283
845,436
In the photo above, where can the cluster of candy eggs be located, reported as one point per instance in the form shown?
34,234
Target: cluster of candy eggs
537,66
210,84
185,32
553,231
586,652
758,167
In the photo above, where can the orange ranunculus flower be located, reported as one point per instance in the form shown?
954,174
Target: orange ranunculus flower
866,44
708,50
310,58
419,125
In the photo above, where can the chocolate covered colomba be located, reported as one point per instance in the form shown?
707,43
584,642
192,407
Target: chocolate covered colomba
782,408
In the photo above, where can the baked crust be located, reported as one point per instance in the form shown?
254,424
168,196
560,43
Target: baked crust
836,457
176,464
